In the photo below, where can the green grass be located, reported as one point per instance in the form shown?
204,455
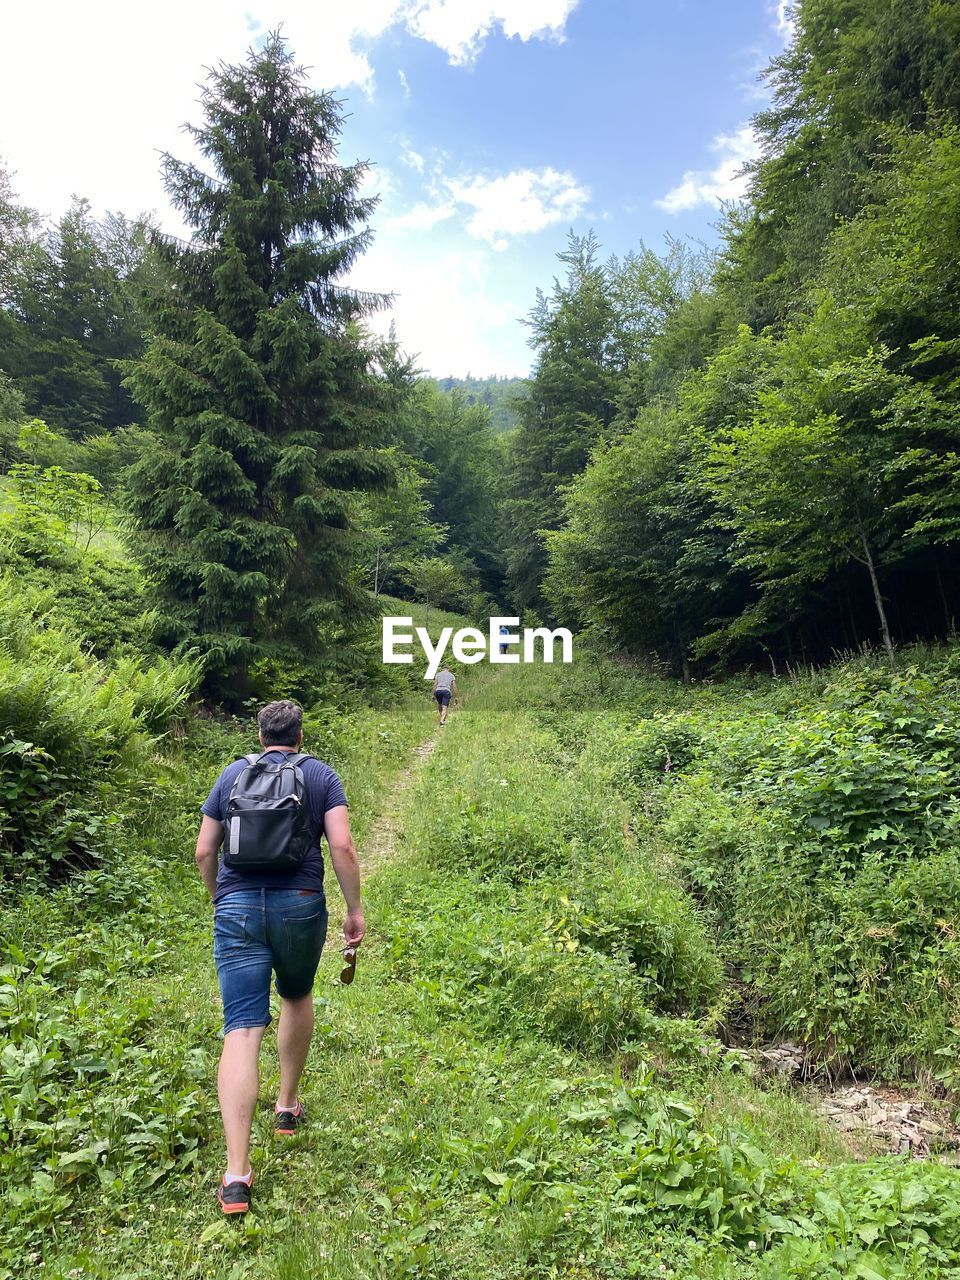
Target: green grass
524,1080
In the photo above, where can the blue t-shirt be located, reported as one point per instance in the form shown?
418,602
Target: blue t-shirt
324,791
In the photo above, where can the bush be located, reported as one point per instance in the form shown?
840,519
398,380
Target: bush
885,1218
626,910
483,953
107,456
98,594
661,747
823,843
873,768
74,734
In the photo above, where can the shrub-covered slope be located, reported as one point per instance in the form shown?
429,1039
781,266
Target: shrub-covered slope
526,1079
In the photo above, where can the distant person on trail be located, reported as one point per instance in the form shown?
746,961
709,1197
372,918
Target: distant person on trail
504,639
270,914
445,687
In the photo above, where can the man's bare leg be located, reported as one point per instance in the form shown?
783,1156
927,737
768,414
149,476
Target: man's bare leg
294,1033
238,1084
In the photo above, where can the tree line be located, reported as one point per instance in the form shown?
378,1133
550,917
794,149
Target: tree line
277,466
729,455
753,455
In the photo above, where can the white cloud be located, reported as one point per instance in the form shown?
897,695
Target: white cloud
457,303
460,27
412,159
519,202
448,308
725,182
330,37
377,181
497,208
404,82
97,90
422,217
785,20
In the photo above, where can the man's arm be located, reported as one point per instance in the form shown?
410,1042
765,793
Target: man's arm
208,846
343,855
454,690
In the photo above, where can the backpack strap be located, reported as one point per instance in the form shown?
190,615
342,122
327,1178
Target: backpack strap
296,758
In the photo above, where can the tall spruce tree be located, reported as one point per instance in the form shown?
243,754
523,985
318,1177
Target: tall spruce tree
257,383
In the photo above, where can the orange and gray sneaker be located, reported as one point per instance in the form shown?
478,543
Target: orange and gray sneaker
288,1123
234,1197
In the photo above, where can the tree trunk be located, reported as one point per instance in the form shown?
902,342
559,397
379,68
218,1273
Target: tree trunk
943,593
603,692
877,597
848,644
681,651
853,622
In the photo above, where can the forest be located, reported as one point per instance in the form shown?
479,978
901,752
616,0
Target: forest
663,974
723,457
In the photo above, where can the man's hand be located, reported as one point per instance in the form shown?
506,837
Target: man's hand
354,927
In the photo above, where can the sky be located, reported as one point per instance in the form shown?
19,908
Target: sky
492,127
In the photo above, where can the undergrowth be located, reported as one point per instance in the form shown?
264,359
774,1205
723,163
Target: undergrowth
526,1078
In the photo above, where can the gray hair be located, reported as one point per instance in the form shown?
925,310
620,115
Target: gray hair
280,723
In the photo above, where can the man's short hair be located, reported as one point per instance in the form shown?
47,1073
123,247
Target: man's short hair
280,723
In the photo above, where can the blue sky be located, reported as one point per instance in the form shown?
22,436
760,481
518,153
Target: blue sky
494,126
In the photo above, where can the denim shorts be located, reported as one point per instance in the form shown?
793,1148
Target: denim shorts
443,697
259,931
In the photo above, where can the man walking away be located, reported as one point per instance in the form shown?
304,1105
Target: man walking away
445,686
270,915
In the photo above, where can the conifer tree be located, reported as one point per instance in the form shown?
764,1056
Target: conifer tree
69,314
257,384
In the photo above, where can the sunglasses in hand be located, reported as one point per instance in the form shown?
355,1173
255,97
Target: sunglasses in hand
349,970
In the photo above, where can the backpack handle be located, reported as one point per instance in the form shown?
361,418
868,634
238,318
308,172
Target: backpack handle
298,757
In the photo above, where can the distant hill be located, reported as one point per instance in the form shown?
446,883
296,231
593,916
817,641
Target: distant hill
497,394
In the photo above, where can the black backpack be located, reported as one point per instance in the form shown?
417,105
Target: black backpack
267,820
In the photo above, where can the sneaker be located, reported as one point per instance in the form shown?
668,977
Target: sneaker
287,1123
234,1197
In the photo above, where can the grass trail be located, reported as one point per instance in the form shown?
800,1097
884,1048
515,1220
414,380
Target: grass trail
169,996
382,838
523,1081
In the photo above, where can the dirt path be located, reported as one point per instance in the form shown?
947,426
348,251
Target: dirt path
380,842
